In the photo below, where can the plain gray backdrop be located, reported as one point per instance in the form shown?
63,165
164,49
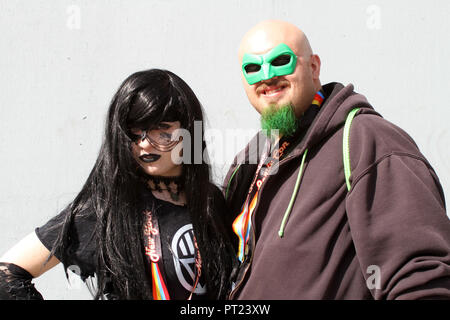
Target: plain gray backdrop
61,62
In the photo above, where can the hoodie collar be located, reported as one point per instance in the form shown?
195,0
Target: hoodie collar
339,102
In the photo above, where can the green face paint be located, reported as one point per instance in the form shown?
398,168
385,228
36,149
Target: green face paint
279,61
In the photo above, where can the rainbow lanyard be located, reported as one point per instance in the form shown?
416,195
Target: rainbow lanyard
242,223
154,255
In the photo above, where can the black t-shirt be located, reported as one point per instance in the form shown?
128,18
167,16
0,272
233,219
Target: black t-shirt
177,245
178,250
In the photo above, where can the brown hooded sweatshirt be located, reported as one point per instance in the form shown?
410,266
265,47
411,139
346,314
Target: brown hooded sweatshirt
386,238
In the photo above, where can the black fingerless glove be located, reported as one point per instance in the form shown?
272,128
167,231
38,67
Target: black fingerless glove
15,283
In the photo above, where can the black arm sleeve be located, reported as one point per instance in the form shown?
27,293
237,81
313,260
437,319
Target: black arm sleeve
15,283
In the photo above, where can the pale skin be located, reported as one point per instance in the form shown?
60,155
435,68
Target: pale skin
298,88
31,255
163,167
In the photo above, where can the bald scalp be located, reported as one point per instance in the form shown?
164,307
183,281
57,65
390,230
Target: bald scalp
270,33
296,89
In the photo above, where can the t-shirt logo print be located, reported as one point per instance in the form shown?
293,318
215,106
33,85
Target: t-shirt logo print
184,258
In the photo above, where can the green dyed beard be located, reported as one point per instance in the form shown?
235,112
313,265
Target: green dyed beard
282,119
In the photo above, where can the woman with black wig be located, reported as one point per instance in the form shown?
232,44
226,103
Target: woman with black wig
145,225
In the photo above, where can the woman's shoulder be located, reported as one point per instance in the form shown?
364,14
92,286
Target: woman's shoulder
80,253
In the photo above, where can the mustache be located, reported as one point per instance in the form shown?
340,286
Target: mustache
264,85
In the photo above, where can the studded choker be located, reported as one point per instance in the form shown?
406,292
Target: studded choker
174,185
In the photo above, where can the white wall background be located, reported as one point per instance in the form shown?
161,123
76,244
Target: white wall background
61,62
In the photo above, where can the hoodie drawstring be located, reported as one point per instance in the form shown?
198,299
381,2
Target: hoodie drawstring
294,195
347,168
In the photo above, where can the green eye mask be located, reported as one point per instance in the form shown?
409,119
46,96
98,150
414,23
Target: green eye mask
279,61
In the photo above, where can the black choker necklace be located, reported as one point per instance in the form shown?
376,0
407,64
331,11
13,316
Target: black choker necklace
174,185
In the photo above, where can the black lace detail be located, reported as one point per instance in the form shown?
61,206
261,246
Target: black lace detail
15,283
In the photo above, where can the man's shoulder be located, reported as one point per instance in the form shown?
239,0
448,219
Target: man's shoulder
374,129
374,139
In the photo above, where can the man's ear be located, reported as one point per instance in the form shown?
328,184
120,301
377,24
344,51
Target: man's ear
315,66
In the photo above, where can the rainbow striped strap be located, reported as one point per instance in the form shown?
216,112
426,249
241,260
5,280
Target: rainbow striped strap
154,255
243,222
242,226
318,98
160,291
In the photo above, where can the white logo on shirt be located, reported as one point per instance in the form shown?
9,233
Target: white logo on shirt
184,258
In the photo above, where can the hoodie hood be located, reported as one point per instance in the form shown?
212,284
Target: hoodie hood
331,117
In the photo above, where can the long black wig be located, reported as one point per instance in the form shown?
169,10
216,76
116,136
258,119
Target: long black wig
111,191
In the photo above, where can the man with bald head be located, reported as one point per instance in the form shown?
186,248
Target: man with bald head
329,211
297,88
